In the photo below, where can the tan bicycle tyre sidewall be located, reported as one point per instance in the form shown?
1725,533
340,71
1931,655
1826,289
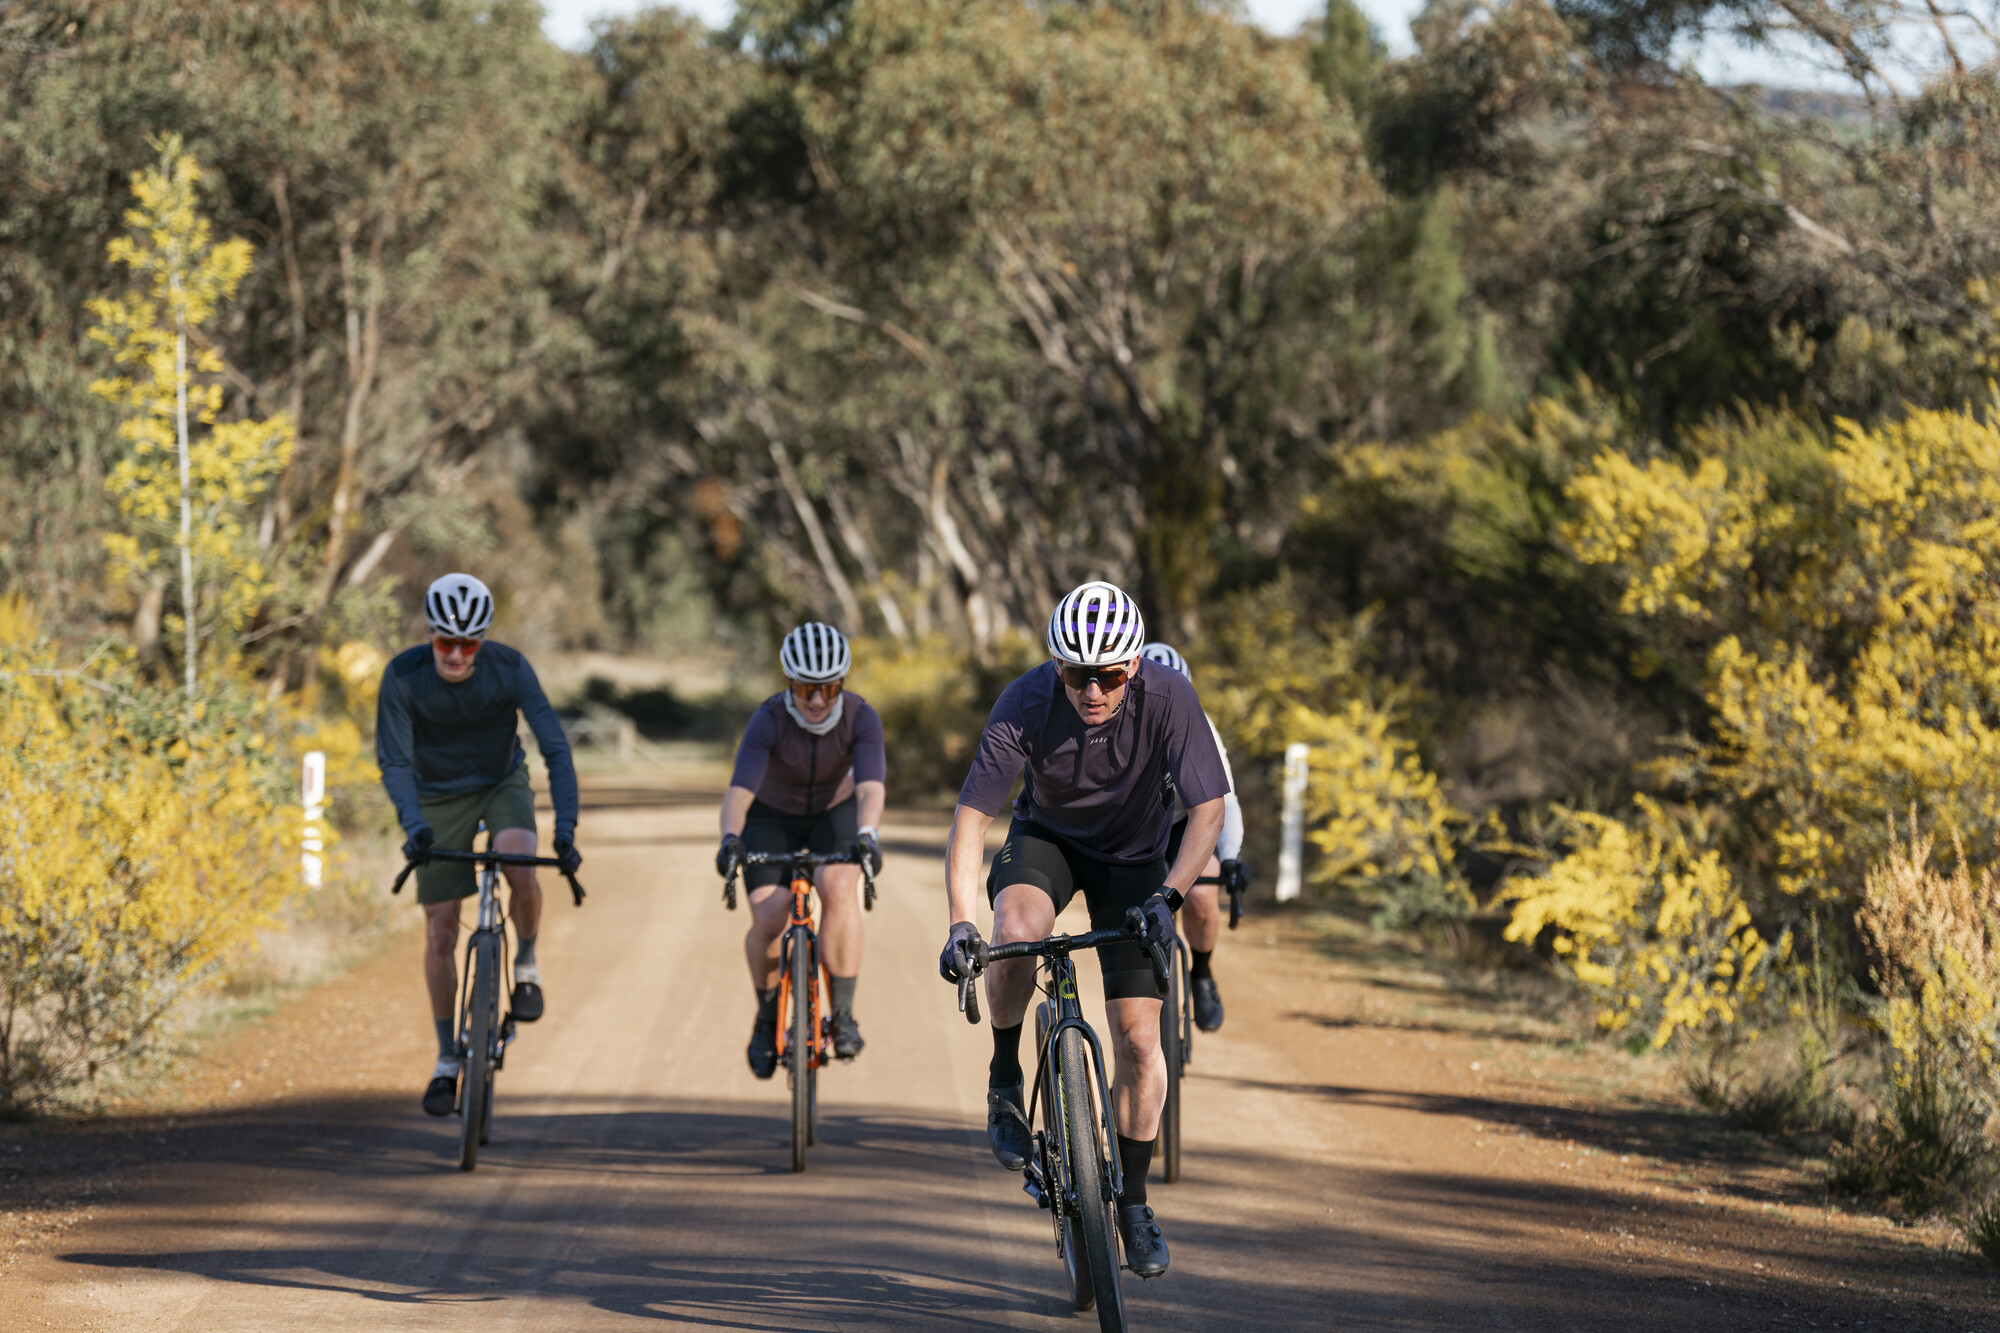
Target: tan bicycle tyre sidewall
1171,1037
801,1046
1084,1131
473,1096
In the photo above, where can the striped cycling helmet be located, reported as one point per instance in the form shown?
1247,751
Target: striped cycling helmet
1096,625
814,652
459,604
1164,654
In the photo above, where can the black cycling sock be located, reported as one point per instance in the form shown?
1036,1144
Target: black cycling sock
767,1005
840,990
1005,1071
525,955
1199,968
447,1039
1135,1159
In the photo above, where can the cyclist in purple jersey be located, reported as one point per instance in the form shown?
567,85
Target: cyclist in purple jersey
1100,733
809,773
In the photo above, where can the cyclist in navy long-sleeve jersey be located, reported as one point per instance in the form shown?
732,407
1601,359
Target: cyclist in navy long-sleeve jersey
446,738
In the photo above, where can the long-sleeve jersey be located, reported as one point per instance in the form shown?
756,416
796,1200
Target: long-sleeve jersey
437,738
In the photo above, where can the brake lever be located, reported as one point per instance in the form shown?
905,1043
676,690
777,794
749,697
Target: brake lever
1235,907
574,888
867,888
968,999
397,887
729,890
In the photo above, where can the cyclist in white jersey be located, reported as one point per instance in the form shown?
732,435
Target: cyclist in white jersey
1201,919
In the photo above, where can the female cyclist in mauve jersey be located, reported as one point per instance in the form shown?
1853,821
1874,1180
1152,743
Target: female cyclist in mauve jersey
809,773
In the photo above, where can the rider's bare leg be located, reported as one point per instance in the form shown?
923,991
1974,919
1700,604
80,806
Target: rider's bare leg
1201,918
524,903
1021,912
1139,1077
440,966
770,909
840,919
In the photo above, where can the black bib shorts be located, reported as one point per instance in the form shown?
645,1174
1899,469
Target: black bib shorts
1033,855
768,829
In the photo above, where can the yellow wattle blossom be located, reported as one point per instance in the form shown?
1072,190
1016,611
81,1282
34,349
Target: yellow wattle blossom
128,874
190,476
1650,921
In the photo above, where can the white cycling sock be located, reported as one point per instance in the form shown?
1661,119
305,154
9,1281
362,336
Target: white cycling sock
526,972
448,1066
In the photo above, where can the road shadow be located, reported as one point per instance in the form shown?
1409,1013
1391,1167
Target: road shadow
1666,1134
619,1207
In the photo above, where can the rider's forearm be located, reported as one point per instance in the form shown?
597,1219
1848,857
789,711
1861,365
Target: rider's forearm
964,854
871,797
1204,825
736,809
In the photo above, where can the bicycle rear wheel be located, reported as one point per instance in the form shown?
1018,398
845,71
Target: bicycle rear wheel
475,1100
802,1037
1084,1146
1173,1045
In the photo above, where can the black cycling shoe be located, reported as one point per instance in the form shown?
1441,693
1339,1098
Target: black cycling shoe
1145,1247
1006,1129
526,1006
847,1041
1207,1004
441,1097
764,1047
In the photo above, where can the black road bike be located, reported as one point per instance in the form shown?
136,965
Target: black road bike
484,1033
1073,1169
1177,1031
805,1029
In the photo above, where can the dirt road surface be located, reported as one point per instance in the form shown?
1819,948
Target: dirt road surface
1364,1152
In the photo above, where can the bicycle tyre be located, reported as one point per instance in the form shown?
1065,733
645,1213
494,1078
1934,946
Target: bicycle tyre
1173,1047
801,1045
1069,1233
1084,1145
475,1084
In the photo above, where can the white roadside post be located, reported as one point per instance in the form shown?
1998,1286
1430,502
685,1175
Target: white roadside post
1292,834
313,797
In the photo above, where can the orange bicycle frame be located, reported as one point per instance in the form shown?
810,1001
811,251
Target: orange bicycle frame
801,916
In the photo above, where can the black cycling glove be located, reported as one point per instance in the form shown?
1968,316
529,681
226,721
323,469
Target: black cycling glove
1159,921
729,856
867,851
1235,876
417,847
955,963
568,858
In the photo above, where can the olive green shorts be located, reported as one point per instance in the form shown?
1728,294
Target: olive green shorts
508,803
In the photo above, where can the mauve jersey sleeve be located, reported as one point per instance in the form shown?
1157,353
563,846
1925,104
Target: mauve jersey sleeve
753,756
1001,755
871,760
1193,757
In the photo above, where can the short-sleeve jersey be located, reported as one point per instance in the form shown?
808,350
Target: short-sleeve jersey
1103,788
798,773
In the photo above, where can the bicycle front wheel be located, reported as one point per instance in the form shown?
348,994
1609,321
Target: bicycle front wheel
1173,1045
475,1099
802,1039
1083,1145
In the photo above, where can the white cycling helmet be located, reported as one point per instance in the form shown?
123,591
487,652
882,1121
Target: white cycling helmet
459,604
1096,625
814,653
1164,654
